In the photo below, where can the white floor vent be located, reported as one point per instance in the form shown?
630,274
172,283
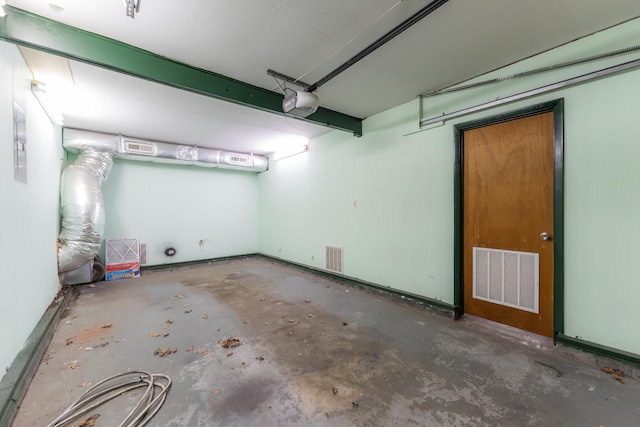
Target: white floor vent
123,258
506,277
335,258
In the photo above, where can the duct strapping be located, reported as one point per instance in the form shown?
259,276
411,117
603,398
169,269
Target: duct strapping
82,209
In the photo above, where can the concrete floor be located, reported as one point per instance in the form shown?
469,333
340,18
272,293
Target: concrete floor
315,352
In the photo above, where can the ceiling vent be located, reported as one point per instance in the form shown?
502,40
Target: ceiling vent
239,159
141,148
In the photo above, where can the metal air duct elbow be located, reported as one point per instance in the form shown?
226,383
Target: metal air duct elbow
83,214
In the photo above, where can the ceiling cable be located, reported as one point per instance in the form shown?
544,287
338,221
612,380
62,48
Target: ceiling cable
335,52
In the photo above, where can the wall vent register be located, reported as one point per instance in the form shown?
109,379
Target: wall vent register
507,278
335,258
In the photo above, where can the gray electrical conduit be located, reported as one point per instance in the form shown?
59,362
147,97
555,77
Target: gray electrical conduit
82,209
146,408
572,63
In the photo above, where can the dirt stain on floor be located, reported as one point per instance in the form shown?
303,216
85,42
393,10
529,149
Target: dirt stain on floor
333,367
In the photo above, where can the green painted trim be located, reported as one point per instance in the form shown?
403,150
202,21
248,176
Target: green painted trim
600,350
558,213
34,31
193,263
15,382
557,106
430,302
458,196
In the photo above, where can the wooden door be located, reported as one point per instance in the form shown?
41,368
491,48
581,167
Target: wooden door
508,173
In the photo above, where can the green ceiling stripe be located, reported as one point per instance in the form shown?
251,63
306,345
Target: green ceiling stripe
26,29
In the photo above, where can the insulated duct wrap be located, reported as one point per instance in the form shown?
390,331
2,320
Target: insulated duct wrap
82,209
125,147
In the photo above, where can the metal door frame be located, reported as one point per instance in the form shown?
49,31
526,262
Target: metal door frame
557,107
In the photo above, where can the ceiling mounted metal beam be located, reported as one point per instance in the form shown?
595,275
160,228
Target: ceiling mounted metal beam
34,31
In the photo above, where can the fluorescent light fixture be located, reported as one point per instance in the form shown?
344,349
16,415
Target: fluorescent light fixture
50,104
2,12
289,152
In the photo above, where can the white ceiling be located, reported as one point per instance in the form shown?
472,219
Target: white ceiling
304,39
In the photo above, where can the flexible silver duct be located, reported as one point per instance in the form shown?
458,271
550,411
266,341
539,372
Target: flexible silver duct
125,147
82,209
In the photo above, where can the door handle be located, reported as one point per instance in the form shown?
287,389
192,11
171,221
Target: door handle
545,236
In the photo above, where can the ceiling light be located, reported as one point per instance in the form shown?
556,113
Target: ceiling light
2,12
291,151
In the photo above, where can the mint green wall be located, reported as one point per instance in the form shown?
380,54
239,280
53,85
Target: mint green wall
29,216
202,212
384,198
401,232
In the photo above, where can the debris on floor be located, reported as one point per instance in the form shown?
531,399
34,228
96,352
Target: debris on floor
153,334
334,391
49,356
102,344
617,374
73,366
89,422
205,316
165,352
107,325
230,342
